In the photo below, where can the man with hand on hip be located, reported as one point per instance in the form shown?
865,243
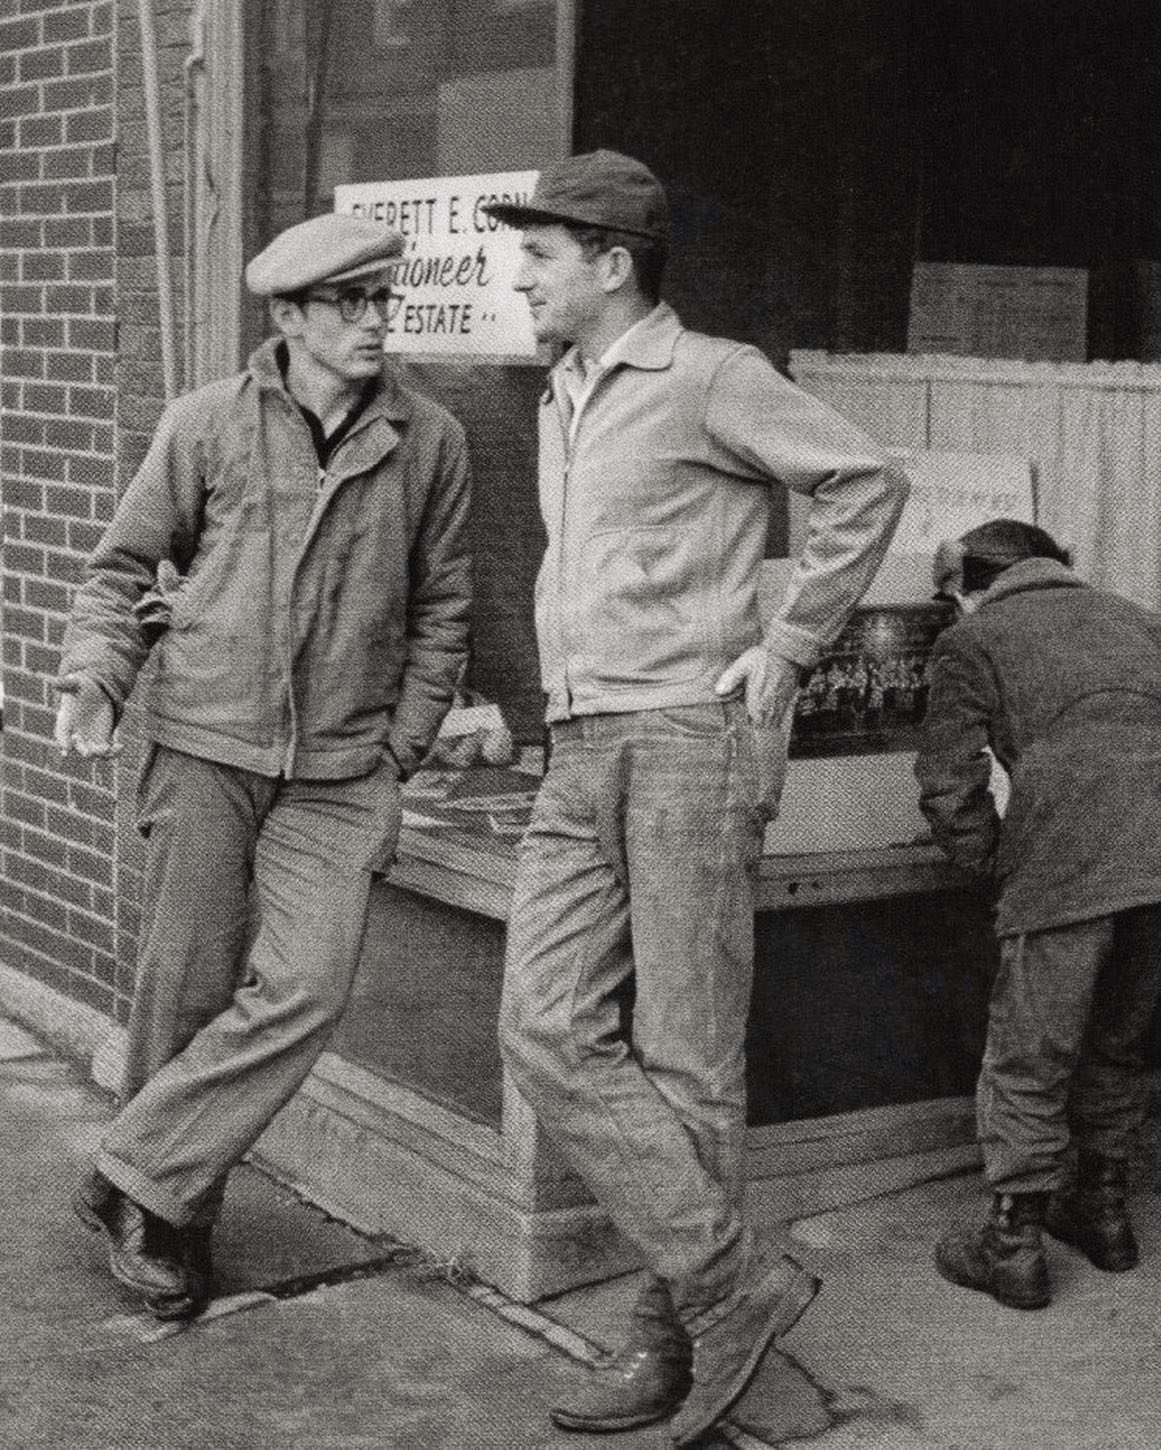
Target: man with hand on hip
666,705
292,552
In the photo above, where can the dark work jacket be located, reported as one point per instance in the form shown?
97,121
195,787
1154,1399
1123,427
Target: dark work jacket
323,616
1063,683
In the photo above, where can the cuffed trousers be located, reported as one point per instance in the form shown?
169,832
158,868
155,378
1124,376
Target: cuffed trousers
255,902
638,867
1069,1016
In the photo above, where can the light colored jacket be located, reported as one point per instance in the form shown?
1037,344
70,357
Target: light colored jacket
657,515
321,620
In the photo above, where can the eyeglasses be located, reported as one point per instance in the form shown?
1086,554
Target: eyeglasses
352,303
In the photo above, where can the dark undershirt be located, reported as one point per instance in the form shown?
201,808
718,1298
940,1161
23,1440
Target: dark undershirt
325,444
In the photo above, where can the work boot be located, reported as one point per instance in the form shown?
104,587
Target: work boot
1091,1214
146,1254
728,1354
1004,1258
645,1381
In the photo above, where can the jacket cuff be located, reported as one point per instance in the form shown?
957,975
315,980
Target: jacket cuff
793,643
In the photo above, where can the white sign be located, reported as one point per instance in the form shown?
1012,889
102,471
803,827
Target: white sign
456,274
953,492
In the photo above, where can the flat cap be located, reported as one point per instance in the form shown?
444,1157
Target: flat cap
330,248
594,189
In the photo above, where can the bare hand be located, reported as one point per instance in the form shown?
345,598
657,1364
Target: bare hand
771,684
84,720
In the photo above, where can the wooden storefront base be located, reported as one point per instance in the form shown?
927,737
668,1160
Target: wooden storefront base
388,1159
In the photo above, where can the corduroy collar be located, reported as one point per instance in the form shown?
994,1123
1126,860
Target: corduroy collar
1030,574
387,401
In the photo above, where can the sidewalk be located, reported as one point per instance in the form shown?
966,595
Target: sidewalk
322,1338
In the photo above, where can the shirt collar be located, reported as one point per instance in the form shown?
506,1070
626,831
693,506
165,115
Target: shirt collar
648,344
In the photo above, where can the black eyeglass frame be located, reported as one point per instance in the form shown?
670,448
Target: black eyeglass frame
352,302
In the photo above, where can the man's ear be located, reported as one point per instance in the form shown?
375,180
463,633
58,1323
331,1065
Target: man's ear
618,269
286,314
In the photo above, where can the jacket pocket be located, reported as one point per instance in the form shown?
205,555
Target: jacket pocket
642,604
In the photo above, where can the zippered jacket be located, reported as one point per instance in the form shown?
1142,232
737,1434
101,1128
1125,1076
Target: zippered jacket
323,615
657,513
1063,683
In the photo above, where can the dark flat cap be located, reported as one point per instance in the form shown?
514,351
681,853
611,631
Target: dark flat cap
595,189
330,248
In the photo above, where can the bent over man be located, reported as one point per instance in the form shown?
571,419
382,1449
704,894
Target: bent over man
1062,683
295,544
657,447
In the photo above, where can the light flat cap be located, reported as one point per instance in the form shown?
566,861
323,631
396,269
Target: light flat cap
330,248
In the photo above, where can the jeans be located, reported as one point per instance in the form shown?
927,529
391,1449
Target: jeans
255,902
1069,1015
635,877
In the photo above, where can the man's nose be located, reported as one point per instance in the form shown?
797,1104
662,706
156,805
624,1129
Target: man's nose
522,281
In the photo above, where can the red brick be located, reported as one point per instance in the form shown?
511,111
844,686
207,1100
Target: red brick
70,162
41,130
43,847
23,492
62,298
45,198
95,266
21,429
44,399
101,805
91,402
22,808
7,135
89,866
92,472
42,332
68,432
47,911
71,367
42,266
23,559
74,95
67,231
44,463
89,56
44,529
17,34
41,594
88,195
67,567
91,125
73,502
71,24
100,335
22,165
84,538
22,364
39,65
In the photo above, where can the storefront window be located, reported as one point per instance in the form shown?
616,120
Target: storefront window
379,90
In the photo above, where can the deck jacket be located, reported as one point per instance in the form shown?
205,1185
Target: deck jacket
656,506
323,613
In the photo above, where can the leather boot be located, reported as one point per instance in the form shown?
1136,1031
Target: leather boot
146,1254
1004,1258
645,1381
1091,1214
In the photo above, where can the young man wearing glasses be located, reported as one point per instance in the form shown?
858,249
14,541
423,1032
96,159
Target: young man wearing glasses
292,552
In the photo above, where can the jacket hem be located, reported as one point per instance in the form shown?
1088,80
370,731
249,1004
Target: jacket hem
614,701
268,760
1148,897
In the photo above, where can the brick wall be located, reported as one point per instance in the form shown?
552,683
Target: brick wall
82,388
57,356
